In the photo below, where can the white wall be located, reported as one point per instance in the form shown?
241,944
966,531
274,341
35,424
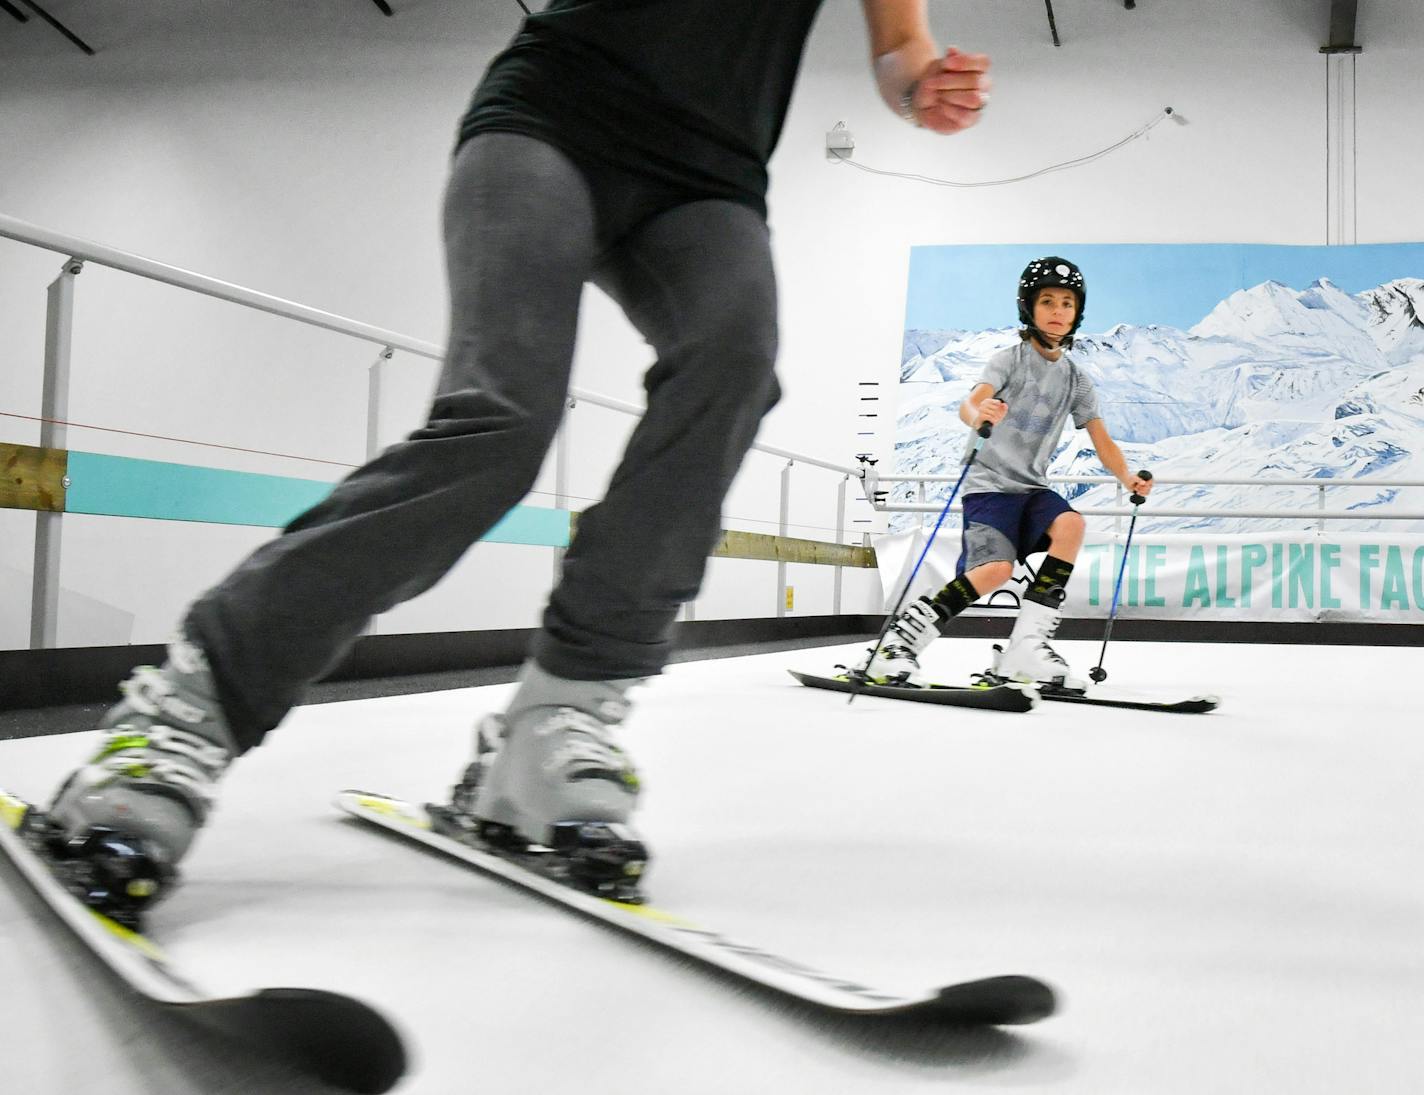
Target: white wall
301,149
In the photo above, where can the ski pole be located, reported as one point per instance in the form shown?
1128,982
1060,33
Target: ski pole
1098,673
984,430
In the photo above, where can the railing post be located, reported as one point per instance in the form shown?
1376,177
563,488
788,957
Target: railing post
1320,495
840,540
54,434
375,379
561,472
375,376
782,527
1117,504
561,456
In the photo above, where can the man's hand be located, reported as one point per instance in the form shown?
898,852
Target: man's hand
1140,486
951,92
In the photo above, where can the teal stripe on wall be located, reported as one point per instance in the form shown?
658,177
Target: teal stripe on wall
120,486
532,525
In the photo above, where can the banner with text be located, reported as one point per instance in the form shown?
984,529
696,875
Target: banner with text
1291,576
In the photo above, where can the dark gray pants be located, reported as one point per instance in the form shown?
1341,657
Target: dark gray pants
523,231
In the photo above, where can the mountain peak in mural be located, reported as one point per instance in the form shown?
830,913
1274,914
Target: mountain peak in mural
1273,382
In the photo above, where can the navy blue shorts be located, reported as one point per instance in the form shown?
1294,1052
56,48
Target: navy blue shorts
999,528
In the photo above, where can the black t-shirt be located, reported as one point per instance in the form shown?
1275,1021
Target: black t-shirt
692,93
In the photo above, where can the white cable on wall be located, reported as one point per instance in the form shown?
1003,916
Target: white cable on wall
1167,112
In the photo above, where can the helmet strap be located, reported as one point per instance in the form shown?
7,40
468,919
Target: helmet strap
1048,342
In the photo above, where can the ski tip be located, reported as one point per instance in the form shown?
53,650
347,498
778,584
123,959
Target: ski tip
342,1040
1009,1000
1197,705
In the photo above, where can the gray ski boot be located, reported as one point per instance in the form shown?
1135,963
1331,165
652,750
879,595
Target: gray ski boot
550,779
123,821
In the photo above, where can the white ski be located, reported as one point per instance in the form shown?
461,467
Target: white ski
992,1001
337,1038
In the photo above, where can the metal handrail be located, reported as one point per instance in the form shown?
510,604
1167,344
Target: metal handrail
880,501
1103,511
1255,481
115,259
1160,480
88,251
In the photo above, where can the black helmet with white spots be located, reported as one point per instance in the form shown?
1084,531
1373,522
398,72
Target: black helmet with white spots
1051,272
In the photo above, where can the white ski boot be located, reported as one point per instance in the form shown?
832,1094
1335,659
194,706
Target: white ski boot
550,772
126,818
897,660
1028,658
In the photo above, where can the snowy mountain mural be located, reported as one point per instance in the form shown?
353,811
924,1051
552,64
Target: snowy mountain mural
1271,382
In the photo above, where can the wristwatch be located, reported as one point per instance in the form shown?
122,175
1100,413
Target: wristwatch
907,103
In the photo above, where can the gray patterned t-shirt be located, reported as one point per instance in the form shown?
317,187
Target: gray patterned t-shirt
1040,394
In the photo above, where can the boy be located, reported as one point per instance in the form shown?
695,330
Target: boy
1027,392
622,142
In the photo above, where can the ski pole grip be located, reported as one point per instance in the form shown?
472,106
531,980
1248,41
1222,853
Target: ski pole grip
985,428
1137,499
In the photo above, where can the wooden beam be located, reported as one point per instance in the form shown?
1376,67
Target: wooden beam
788,549
32,478
35,478
779,549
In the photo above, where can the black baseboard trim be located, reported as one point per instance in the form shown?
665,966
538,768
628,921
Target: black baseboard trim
69,675
50,678
1323,633
438,652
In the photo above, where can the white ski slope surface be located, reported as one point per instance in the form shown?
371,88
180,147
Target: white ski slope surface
1227,903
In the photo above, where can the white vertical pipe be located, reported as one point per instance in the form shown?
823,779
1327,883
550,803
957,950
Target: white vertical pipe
782,527
54,434
1340,159
375,378
840,540
561,472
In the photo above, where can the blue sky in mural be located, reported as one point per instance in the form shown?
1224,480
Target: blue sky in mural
972,287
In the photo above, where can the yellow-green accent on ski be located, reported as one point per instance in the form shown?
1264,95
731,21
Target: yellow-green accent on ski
392,809
129,936
12,810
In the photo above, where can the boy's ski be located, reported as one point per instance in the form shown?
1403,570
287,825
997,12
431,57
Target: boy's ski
337,1038
994,697
990,1001
1189,705
1193,705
